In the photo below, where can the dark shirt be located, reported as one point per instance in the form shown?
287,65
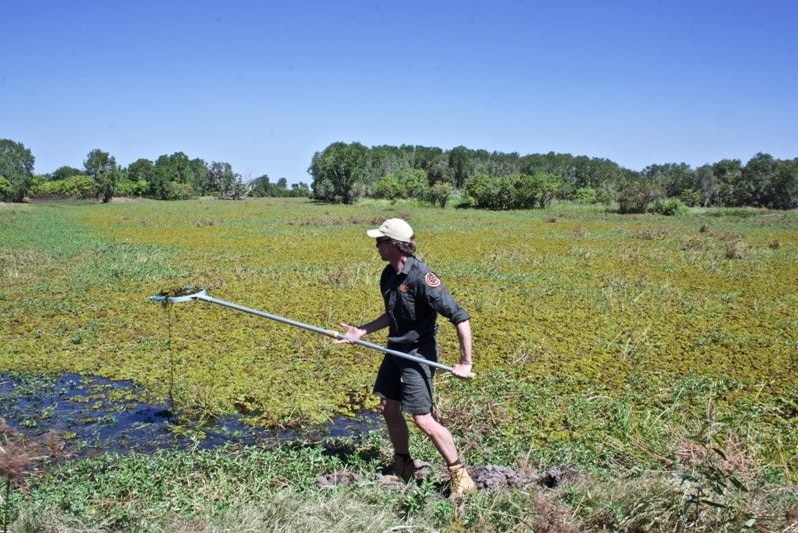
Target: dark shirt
413,299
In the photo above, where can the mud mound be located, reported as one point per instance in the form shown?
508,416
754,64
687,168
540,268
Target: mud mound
487,477
336,478
495,477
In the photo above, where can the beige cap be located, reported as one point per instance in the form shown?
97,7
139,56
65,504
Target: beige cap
394,228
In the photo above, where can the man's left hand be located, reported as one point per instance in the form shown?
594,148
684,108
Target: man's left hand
463,371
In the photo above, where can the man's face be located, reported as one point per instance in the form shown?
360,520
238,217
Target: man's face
385,247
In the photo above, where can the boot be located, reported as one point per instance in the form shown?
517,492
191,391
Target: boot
404,468
461,482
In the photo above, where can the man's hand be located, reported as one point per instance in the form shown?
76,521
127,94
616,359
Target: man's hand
463,371
352,332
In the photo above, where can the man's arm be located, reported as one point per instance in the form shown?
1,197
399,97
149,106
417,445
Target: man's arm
463,369
358,332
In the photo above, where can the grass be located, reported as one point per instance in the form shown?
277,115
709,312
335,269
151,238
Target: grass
691,466
653,357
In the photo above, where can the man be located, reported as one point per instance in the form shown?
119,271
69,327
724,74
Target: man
414,297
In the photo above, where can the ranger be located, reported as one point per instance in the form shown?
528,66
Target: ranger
414,297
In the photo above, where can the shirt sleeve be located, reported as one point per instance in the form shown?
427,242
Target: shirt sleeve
434,292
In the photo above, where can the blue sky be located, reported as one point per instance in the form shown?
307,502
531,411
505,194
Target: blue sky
264,85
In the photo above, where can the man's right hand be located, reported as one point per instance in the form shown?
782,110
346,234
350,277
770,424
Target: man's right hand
351,332
463,371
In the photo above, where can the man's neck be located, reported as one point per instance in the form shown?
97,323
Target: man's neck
399,263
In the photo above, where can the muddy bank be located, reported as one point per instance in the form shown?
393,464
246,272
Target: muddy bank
95,415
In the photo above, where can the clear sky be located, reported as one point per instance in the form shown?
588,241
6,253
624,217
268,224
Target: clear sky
263,85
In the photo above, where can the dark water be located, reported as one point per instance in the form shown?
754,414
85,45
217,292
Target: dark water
95,415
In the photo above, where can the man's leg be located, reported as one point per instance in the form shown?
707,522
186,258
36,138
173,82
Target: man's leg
441,437
397,426
403,465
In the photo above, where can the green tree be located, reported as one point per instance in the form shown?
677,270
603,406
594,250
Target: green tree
755,182
300,190
548,186
708,186
102,168
496,163
16,170
438,170
200,177
141,170
176,168
729,174
226,182
673,178
461,163
783,191
338,172
62,173
260,186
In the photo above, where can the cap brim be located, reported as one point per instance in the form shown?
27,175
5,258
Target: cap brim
375,233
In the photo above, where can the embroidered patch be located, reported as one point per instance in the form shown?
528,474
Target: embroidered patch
432,280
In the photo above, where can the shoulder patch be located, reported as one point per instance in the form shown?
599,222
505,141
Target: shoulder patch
432,280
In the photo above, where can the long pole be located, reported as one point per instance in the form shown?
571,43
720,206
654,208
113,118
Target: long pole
328,332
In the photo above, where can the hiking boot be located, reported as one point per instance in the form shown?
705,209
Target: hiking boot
461,482
404,468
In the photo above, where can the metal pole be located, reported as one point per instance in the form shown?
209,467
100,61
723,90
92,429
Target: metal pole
328,332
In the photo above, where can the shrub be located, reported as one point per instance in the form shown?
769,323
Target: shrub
77,186
485,191
439,193
178,191
81,187
50,188
690,197
634,196
668,207
388,187
132,188
734,246
586,195
5,187
517,191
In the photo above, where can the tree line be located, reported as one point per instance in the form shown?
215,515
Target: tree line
170,177
345,172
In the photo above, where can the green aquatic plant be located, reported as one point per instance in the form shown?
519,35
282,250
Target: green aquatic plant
595,301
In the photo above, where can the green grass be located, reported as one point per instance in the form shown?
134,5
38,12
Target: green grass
654,356
689,465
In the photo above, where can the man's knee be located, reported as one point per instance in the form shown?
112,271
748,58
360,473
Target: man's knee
390,408
426,423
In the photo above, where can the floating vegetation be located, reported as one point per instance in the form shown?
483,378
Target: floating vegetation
595,301
181,294
181,291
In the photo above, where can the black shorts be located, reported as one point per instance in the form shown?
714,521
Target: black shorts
408,382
